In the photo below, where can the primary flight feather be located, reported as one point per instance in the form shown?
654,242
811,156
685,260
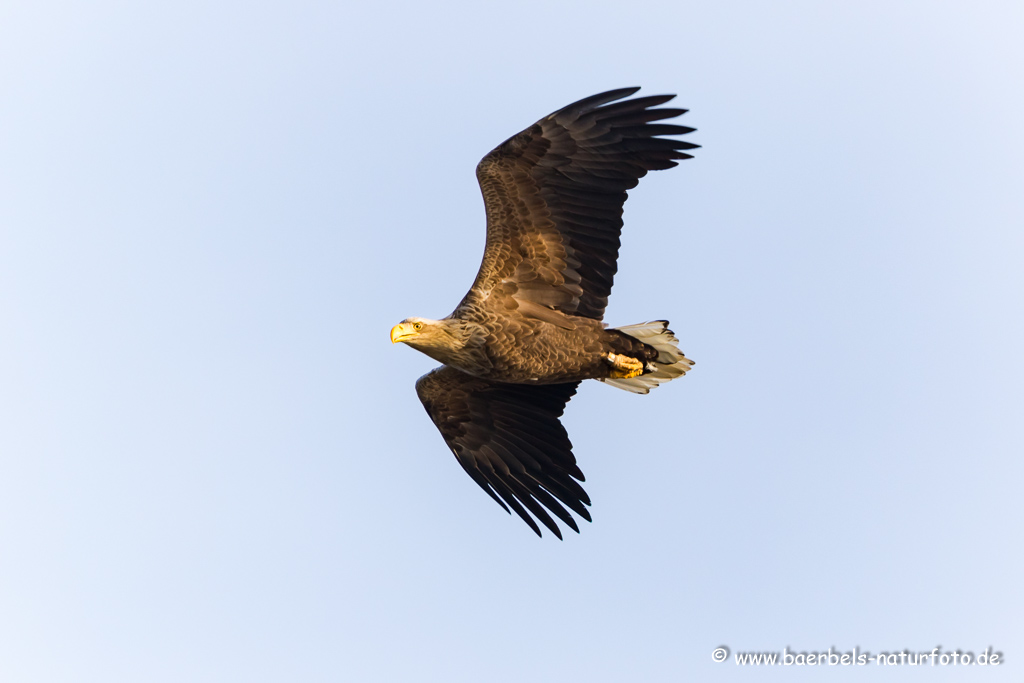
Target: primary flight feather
529,330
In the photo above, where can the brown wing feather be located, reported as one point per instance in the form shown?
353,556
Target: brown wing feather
509,440
554,195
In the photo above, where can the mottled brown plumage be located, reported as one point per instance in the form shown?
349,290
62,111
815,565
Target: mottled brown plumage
529,329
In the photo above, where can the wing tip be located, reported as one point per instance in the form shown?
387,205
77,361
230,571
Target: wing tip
592,102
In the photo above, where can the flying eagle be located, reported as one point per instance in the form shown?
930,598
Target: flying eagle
529,330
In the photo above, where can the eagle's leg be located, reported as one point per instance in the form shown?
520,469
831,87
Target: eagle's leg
624,367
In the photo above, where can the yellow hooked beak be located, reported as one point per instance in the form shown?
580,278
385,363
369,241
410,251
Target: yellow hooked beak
401,332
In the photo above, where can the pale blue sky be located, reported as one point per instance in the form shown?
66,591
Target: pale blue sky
213,465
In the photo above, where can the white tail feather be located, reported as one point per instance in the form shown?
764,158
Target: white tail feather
671,362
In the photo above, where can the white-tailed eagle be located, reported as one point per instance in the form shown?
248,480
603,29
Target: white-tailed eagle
529,330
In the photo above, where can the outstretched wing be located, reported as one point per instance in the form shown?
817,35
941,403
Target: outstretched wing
508,438
554,196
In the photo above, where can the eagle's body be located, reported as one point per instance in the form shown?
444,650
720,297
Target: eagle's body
510,347
530,329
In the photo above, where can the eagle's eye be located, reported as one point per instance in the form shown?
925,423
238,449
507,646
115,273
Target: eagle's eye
417,326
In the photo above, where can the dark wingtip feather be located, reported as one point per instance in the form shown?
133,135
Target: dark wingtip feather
523,514
595,101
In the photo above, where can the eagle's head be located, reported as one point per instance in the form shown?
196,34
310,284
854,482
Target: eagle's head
424,334
451,341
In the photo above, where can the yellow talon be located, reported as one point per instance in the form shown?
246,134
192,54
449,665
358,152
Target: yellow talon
624,367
